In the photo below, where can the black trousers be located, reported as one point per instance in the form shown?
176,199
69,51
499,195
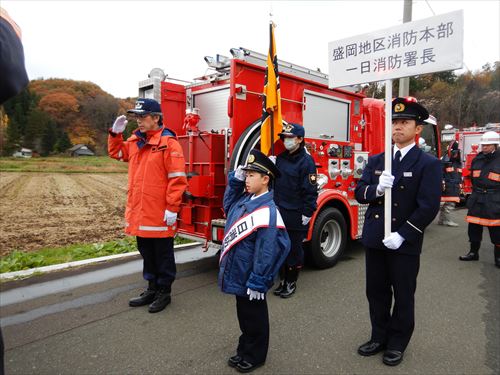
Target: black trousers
296,256
388,275
476,233
159,261
253,318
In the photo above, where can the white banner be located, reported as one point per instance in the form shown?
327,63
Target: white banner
425,46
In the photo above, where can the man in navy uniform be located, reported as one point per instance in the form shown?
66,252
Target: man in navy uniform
392,263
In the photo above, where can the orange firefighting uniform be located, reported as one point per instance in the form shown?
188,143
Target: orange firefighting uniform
156,180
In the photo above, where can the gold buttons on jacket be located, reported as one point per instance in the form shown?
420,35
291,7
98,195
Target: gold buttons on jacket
395,205
393,219
402,187
377,216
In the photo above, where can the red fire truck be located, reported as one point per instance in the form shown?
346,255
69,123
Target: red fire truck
342,127
468,142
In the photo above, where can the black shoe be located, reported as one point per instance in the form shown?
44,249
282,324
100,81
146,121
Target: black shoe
145,298
289,290
234,360
245,366
370,348
469,256
279,289
392,357
161,301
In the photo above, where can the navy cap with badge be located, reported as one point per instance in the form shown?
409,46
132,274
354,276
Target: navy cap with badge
408,108
292,130
144,106
259,162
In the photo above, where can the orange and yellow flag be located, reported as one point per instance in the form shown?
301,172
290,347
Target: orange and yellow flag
271,102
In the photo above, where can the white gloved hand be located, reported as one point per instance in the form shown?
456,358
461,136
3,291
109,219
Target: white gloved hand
255,295
393,241
305,220
170,217
239,173
385,181
119,124
272,158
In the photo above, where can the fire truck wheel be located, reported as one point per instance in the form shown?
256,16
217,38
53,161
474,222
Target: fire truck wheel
329,238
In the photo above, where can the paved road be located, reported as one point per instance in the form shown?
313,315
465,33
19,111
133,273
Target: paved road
90,329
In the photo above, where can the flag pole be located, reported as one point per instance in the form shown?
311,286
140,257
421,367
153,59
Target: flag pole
271,50
388,156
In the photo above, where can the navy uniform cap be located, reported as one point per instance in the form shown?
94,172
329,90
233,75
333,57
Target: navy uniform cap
292,130
259,162
144,106
408,108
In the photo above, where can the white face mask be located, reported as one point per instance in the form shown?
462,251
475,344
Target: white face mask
289,143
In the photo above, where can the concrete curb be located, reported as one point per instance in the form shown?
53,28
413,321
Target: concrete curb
57,267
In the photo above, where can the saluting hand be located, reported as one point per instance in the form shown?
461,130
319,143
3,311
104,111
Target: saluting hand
119,124
239,173
393,241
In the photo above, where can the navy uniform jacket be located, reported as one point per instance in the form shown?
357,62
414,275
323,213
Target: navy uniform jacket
416,194
255,260
452,177
484,202
296,191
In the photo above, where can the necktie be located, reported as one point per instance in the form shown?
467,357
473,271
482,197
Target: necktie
396,162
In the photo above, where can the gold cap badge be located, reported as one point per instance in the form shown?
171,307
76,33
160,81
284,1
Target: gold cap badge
400,107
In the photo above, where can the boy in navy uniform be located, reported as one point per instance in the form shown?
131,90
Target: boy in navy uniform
295,193
392,263
255,246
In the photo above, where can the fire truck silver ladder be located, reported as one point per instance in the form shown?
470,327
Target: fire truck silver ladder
260,59
259,94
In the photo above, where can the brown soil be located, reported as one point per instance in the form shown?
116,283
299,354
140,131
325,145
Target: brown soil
40,210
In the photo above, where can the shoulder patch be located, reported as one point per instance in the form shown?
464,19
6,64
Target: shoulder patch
313,178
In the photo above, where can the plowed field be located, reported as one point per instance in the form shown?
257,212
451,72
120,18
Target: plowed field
40,210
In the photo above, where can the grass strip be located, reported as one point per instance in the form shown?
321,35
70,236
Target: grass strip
63,164
23,260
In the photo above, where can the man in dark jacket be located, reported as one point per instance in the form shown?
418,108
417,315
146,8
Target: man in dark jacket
452,178
13,79
392,263
484,202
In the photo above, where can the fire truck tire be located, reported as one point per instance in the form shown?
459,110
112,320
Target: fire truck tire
247,141
329,238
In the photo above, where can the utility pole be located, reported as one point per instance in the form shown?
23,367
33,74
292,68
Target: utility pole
404,83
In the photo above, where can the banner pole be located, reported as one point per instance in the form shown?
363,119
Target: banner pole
388,155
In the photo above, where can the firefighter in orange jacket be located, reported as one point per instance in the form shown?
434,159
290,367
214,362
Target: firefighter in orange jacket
156,182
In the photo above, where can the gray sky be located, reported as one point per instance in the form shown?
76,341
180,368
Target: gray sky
115,44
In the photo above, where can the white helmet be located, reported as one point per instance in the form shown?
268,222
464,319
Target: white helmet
490,138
